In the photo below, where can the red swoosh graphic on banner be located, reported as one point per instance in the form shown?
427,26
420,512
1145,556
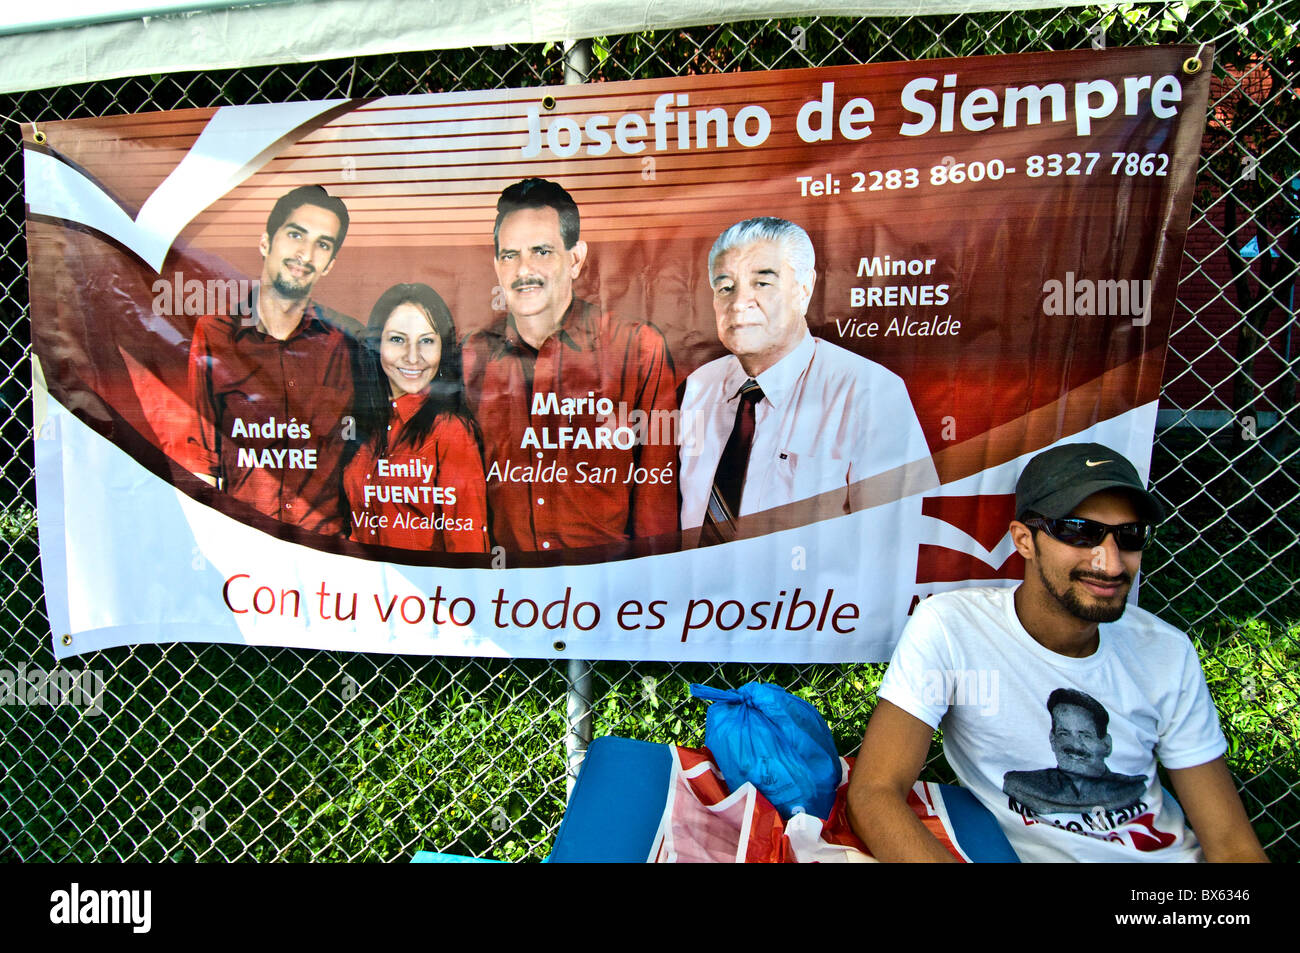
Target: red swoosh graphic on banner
984,519
940,564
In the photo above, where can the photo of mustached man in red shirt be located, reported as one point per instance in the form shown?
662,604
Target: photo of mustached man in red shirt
271,389
577,406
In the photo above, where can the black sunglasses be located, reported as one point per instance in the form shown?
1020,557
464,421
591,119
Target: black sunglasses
1075,531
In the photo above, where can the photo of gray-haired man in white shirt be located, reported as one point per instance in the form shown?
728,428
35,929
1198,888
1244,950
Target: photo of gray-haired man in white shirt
786,418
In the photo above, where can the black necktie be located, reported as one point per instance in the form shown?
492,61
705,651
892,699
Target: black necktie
729,478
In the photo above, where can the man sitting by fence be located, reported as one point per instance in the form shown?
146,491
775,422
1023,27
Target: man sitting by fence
1065,755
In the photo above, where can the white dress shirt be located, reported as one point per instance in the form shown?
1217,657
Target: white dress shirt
828,419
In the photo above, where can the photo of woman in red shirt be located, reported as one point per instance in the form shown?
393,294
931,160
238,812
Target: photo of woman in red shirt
416,480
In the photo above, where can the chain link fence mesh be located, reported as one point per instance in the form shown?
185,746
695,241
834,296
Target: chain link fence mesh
214,752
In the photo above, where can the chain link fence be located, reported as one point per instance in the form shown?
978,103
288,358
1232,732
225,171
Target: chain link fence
227,752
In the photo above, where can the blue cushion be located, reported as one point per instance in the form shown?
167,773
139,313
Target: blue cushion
976,827
614,811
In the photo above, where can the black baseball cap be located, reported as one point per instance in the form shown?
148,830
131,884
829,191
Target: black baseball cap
1057,480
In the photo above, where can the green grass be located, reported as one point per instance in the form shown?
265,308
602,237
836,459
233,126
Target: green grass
312,756
1252,671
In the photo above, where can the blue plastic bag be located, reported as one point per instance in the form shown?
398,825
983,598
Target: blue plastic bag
762,733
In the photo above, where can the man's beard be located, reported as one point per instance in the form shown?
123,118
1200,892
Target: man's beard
287,288
1096,612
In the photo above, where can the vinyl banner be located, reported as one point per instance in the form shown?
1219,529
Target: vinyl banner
730,367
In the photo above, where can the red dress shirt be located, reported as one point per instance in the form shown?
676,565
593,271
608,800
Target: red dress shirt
430,497
591,356
295,393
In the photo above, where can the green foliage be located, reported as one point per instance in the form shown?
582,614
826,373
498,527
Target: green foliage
1139,18
1253,671
17,523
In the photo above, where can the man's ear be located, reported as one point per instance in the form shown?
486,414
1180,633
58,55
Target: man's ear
577,258
805,294
326,270
264,245
1023,539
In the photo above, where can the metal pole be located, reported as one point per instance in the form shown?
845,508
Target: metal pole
578,715
577,66
577,61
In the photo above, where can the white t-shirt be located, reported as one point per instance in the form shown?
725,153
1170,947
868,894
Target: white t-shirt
1079,783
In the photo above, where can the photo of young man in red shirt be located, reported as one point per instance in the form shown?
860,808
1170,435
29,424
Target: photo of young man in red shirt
271,388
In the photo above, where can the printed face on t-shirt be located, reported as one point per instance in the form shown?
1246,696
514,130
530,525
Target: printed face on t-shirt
301,251
1078,747
409,350
759,304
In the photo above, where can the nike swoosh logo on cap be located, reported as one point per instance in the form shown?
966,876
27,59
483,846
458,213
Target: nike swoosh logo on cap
1096,463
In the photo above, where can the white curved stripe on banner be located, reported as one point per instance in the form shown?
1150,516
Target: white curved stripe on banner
152,565
223,156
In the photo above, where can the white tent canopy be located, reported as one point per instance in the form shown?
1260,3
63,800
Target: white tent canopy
61,42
